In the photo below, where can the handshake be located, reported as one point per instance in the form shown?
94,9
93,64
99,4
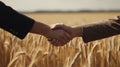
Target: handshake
61,34
58,34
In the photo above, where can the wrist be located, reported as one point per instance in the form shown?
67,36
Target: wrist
46,31
42,29
77,31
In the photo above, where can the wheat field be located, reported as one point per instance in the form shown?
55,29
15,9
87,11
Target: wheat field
36,51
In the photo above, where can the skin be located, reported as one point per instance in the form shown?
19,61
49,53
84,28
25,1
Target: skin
58,37
75,31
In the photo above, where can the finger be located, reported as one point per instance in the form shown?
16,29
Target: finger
50,39
57,43
60,26
64,27
54,40
64,40
57,24
66,37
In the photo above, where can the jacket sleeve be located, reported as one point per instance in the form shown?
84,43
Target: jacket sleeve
14,22
101,30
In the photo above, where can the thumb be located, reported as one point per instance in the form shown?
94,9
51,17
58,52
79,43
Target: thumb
58,26
66,28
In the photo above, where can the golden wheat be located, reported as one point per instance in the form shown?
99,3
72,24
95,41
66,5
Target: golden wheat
36,51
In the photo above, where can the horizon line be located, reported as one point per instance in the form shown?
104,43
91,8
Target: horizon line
58,11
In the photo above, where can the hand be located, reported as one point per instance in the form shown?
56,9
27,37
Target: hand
66,28
56,37
64,34
75,31
59,37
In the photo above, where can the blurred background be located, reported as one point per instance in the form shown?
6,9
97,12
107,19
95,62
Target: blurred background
36,51
64,5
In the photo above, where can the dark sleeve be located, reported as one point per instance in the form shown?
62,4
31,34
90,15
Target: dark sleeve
14,22
101,30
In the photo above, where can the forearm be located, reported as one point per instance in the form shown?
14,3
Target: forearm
41,28
77,31
14,22
101,30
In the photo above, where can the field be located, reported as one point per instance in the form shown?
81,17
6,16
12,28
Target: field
36,51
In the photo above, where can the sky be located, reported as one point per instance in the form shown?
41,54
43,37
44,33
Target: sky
63,5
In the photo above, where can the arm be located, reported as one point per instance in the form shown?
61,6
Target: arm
101,30
93,31
19,25
42,29
14,22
